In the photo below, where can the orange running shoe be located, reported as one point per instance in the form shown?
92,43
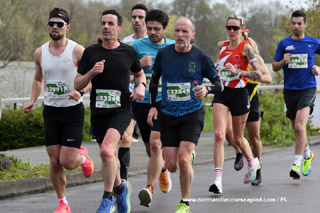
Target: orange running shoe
165,181
145,196
62,208
88,165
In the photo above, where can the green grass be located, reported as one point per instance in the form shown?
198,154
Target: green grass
20,170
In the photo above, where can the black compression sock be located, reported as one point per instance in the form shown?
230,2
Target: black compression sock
124,158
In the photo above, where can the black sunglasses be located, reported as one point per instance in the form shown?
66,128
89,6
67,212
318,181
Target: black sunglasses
58,23
234,28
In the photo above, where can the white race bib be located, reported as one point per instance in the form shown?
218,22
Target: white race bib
107,98
56,89
298,61
178,91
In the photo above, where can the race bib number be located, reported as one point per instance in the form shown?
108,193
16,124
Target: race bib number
148,77
57,90
298,61
106,98
225,75
178,91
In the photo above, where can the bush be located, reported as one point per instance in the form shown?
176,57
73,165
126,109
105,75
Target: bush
19,130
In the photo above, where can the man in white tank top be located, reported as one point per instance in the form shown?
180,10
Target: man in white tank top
56,65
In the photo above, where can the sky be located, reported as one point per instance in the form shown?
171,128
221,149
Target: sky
295,4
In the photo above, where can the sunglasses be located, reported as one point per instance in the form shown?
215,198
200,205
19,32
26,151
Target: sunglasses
234,28
58,23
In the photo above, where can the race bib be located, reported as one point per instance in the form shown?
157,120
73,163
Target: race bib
57,89
178,91
225,75
148,78
106,98
298,61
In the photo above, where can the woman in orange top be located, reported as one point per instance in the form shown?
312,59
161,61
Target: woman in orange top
235,56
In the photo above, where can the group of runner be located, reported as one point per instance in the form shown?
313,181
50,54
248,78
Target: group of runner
164,101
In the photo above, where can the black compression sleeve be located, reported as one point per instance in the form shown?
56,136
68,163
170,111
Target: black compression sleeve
217,85
153,89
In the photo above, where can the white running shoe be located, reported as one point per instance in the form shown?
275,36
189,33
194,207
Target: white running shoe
251,174
216,187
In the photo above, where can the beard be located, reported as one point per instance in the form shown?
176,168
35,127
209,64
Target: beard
55,37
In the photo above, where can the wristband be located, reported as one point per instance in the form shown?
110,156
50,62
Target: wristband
144,84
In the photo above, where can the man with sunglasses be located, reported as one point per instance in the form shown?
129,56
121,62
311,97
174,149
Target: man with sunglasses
107,65
296,56
56,67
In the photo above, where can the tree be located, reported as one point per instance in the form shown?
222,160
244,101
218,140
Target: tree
13,31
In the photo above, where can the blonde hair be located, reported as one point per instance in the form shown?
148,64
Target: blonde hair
245,36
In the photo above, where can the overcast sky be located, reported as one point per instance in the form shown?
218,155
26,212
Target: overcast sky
295,4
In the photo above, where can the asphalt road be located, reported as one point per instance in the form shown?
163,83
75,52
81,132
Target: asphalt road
277,192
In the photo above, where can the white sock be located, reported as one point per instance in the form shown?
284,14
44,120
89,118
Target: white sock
218,179
307,152
64,199
83,159
297,160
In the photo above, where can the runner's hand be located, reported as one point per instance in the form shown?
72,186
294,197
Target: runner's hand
153,114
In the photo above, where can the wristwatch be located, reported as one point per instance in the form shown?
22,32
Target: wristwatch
81,92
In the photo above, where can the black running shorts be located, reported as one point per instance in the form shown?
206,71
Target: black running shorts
64,125
237,100
102,122
141,111
298,99
184,128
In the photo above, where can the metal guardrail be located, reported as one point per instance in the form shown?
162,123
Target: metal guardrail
17,103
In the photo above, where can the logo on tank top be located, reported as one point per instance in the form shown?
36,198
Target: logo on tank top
236,58
192,67
66,61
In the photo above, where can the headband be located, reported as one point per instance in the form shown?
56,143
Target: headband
58,14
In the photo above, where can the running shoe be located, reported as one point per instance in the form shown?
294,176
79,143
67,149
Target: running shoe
88,165
238,163
258,180
106,206
295,172
193,157
62,208
145,196
123,199
216,187
183,208
251,174
306,168
165,183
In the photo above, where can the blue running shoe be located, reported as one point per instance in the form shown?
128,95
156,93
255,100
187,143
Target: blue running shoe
123,199
106,206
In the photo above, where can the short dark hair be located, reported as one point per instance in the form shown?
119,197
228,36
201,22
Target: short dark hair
112,12
299,13
158,16
141,7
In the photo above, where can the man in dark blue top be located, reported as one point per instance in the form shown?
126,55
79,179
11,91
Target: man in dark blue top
182,112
